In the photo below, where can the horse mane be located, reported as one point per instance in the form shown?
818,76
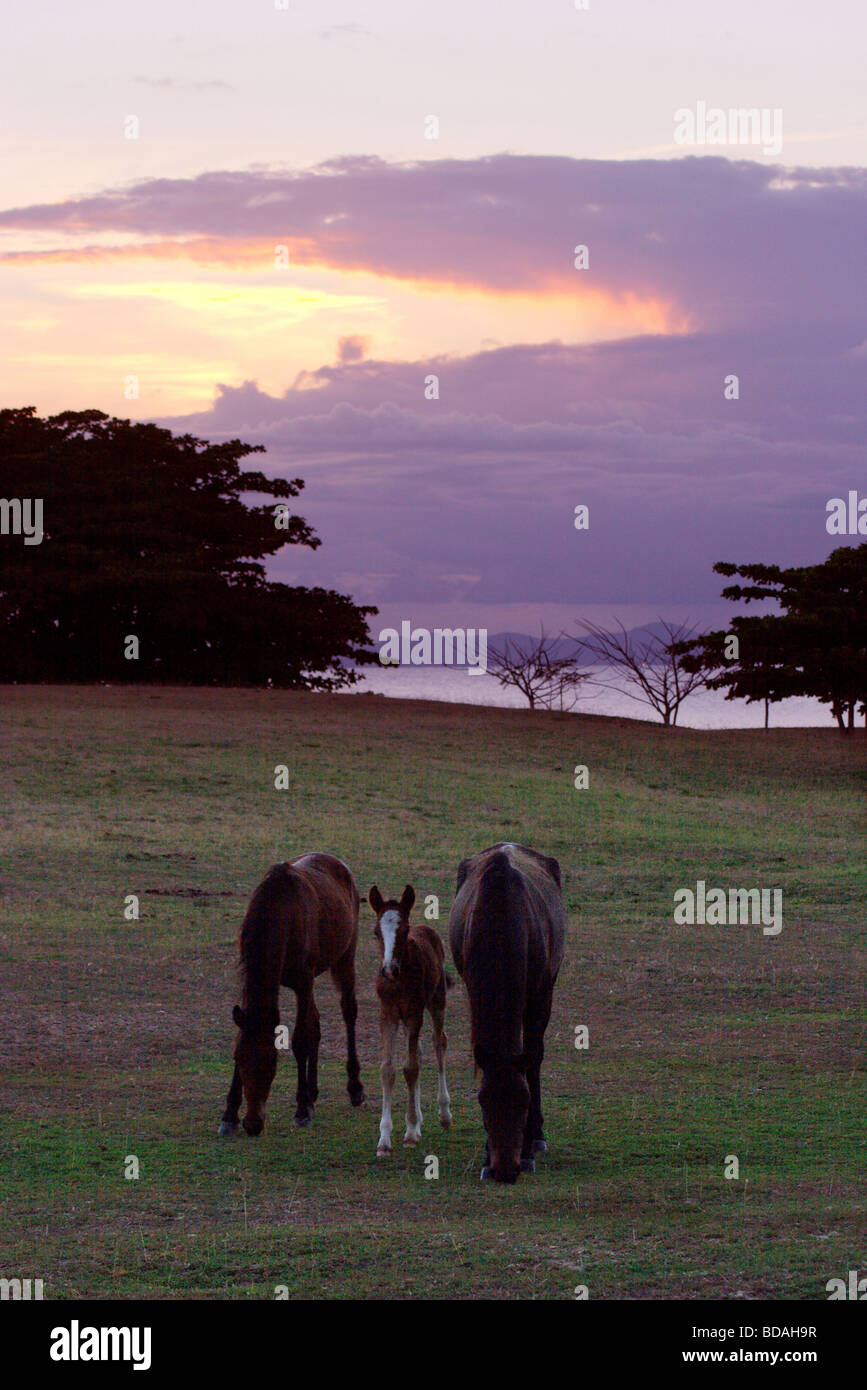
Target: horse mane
262,943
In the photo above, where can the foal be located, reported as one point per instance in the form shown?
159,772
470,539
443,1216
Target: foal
412,978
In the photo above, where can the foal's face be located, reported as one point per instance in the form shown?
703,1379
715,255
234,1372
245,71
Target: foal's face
505,1100
256,1056
392,928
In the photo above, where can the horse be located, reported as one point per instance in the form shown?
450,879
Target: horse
506,930
412,977
301,921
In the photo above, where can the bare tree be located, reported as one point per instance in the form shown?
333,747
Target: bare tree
545,681
653,664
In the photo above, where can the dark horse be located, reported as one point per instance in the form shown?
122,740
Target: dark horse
302,920
506,931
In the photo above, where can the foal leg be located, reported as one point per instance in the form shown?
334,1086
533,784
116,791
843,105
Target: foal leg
437,1014
306,1024
343,975
413,1085
388,1032
229,1118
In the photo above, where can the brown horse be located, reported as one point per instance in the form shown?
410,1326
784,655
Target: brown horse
507,929
302,920
412,978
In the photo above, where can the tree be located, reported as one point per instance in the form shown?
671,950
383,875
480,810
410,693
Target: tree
544,680
652,663
757,666
816,647
146,535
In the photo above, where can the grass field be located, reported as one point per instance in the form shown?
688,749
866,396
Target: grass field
705,1041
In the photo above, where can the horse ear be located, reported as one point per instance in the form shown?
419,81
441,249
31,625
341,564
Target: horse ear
463,870
238,1016
554,870
407,899
376,900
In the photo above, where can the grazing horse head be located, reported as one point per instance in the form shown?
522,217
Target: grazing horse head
256,1058
504,1096
392,928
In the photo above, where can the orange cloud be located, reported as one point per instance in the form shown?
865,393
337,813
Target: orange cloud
631,311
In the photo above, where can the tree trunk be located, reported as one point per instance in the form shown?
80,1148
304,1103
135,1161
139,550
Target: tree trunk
767,703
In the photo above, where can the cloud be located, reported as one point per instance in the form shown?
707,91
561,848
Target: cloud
352,348
345,31
757,272
719,243
185,84
409,494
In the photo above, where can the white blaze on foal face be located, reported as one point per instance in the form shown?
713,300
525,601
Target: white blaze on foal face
389,924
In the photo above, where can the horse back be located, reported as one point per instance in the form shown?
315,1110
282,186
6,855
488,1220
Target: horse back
333,870
322,921
430,954
507,932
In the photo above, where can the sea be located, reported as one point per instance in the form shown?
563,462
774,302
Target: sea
704,709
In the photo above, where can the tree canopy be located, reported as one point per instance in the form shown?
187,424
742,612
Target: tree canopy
817,646
147,534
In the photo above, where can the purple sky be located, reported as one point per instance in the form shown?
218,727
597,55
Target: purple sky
557,386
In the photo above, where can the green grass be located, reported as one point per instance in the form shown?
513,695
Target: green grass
704,1041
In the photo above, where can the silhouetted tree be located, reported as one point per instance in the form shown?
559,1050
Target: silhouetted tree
817,646
545,681
146,535
652,663
757,667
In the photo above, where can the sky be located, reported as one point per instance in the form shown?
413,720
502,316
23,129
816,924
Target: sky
283,222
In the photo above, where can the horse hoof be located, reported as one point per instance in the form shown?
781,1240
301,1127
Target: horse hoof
485,1174
383,1153
227,1129
357,1097
539,1146
528,1165
446,1121
410,1140
302,1121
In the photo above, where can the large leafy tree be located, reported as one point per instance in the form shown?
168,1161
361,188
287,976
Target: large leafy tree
760,665
816,646
152,535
